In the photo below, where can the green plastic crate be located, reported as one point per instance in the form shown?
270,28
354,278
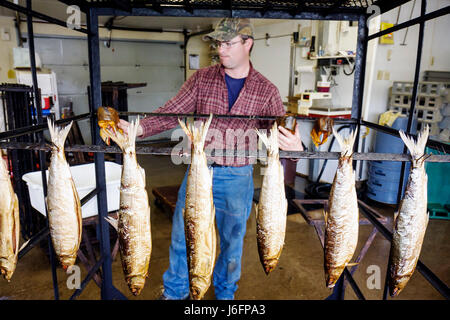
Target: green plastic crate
438,187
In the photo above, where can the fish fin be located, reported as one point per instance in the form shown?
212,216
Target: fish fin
113,222
352,264
58,135
126,142
197,136
79,217
16,217
204,130
271,142
346,144
24,244
185,129
416,148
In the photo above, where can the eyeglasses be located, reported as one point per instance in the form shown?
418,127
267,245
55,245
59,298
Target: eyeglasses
226,45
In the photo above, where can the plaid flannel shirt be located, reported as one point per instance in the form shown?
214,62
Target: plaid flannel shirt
206,92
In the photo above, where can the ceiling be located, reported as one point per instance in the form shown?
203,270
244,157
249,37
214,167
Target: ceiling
57,9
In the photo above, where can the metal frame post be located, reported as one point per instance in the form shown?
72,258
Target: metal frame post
359,76
99,158
40,135
413,95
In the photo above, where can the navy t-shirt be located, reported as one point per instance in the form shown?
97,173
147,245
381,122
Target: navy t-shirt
234,87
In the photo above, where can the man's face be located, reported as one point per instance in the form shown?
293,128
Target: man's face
234,53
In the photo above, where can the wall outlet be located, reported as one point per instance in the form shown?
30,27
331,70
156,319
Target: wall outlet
387,75
5,34
389,55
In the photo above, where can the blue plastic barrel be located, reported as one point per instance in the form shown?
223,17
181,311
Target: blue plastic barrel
384,176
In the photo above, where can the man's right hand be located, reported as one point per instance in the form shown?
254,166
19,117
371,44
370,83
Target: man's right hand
125,124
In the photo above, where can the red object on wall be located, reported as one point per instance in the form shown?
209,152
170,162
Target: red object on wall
47,103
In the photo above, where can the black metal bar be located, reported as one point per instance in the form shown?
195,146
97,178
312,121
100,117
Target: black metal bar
89,196
349,278
313,14
15,89
360,71
30,13
413,96
42,164
421,19
33,241
434,280
338,290
99,158
37,128
365,156
229,116
88,278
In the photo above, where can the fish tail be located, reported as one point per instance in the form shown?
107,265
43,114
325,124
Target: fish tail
346,144
58,134
132,133
270,142
196,135
126,142
416,148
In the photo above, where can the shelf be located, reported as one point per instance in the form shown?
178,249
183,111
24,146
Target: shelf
331,57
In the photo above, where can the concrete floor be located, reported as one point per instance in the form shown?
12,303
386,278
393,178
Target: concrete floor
299,274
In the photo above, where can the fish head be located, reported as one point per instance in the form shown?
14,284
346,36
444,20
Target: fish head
332,276
397,284
67,261
199,286
136,284
269,265
6,273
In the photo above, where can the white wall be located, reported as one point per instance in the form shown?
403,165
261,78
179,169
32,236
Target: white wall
6,55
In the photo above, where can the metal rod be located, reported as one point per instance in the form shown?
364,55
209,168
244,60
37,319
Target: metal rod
88,278
213,12
364,156
42,164
228,116
89,196
30,13
33,241
99,158
349,278
413,97
40,127
360,71
409,23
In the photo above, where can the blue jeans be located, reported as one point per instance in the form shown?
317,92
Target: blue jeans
233,195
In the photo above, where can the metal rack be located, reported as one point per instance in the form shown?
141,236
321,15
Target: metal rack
349,10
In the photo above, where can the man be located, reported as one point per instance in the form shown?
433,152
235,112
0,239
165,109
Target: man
231,87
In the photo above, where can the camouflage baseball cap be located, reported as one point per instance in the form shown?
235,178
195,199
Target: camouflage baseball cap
228,28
